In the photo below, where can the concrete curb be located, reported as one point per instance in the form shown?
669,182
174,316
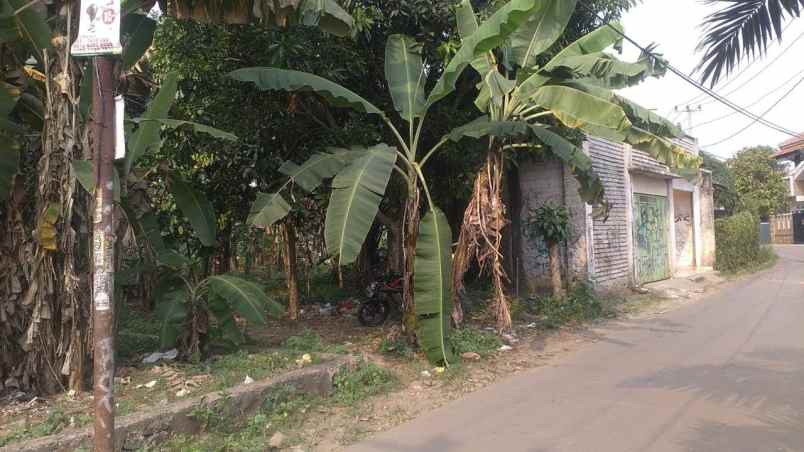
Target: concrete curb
151,427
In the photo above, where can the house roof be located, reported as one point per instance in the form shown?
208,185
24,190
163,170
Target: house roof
792,145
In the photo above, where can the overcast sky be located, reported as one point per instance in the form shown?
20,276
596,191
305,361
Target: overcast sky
673,24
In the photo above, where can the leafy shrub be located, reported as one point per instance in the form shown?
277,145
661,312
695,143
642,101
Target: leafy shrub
366,380
737,239
473,340
581,304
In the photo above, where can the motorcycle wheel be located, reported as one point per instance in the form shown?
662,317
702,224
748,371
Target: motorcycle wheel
373,312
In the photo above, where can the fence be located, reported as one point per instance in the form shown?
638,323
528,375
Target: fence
781,229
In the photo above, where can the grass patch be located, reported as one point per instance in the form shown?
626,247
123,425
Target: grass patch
366,380
310,342
283,410
230,370
469,339
580,305
766,258
55,422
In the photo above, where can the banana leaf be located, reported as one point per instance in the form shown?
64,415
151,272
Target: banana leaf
492,33
268,78
577,109
356,194
196,208
247,298
171,313
267,209
433,287
404,73
147,137
541,31
140,30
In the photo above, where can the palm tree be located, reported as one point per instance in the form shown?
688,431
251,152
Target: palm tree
741,29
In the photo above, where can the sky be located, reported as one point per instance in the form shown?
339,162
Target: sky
674,26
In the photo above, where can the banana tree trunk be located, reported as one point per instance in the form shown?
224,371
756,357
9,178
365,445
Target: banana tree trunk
411,232
56,334
289,254
481,238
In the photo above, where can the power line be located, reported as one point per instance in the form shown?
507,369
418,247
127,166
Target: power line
692,82
760,99
798,38
745,69
775,104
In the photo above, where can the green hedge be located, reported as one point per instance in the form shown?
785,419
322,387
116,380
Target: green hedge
737,239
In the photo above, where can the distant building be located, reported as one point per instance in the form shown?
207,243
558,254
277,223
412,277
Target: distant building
791,156
659,224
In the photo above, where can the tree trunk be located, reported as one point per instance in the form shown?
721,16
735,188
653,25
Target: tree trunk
555,270
481,238
56,302
289,254
411,225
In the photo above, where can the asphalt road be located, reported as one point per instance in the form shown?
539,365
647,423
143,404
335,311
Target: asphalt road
722,374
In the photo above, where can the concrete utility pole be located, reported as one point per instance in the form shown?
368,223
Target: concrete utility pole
103,134
689,110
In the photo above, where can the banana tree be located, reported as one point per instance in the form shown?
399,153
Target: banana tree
574,90
361,175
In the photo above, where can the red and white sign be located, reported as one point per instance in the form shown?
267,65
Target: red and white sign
99,28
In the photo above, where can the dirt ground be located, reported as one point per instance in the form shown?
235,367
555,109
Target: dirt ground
330,428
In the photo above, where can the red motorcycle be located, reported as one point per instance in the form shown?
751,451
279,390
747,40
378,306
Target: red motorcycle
377,307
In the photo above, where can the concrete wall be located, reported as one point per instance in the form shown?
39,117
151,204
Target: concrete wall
685,238
707,220
542,181
601,249
649,185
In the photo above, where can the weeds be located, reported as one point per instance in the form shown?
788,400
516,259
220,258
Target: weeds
580,305
230,370
469,339
55,422
396,347
366,380
307,342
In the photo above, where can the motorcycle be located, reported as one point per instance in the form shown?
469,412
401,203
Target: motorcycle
374,311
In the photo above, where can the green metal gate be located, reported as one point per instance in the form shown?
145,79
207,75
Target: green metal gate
651,250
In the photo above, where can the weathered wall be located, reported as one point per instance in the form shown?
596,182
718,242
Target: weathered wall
540,182
683,218
610,250
649,185
707,207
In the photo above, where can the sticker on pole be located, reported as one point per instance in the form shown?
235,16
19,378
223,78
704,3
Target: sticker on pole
99,29
119,127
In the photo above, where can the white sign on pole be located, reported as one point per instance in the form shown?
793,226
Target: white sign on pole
99,28
119,127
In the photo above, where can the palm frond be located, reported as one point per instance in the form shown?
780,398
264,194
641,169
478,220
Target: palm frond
742,29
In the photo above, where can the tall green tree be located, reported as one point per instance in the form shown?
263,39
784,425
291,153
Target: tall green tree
759,181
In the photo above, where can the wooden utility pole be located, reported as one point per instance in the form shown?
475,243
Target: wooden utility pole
103,135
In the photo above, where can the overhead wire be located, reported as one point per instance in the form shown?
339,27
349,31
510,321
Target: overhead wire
775,104
691,81
760,99
742,85
744,70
